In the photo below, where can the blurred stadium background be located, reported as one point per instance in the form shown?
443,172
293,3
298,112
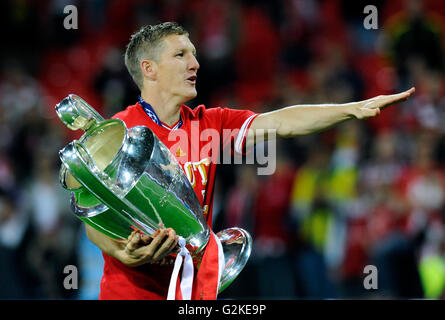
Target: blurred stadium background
362,193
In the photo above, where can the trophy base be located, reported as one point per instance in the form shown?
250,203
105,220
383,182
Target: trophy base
237,245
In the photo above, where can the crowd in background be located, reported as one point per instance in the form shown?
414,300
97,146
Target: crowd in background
363,193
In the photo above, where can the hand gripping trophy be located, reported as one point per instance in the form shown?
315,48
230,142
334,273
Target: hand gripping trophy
124,179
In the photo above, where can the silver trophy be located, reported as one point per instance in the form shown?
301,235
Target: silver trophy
123,179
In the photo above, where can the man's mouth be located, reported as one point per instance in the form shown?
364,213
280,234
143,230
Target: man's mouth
191,80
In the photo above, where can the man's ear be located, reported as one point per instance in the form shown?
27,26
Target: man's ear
148,68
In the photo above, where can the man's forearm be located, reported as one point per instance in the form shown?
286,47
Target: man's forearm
304,119
137,249
112,247
109,246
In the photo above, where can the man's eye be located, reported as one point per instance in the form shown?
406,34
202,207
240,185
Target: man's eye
180,54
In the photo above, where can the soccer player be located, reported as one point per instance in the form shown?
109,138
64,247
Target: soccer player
162,61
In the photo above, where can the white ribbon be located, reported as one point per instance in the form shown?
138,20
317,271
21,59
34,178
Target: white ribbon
187,273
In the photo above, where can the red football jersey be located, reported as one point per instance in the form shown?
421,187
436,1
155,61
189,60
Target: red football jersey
195,141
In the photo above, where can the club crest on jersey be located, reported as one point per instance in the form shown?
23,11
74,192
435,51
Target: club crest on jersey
180,153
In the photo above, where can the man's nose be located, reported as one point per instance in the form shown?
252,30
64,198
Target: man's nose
193,63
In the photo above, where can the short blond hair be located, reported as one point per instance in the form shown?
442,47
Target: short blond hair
146,44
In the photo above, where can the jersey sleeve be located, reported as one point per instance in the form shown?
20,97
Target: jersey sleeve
235,125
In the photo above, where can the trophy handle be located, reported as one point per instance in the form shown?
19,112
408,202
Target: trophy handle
76,113
74,156
237,246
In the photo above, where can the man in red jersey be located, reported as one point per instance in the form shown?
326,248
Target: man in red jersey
162,61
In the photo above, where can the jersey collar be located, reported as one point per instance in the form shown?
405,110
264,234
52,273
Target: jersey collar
153,116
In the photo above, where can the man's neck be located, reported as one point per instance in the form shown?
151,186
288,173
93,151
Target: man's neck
168,111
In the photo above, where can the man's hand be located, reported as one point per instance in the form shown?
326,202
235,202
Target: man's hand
144,249
371,107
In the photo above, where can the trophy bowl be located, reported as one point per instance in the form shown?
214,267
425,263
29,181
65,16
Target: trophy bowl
124,179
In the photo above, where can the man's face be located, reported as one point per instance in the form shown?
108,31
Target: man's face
177,68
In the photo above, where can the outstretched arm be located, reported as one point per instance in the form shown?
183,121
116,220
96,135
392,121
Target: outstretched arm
306,119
